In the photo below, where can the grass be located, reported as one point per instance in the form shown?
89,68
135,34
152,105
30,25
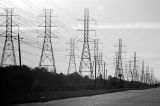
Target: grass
16,98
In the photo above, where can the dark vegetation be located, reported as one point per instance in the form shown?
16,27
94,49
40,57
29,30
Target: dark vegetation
23,84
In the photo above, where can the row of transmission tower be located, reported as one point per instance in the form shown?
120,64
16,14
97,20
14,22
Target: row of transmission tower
89,65
134,70
47,58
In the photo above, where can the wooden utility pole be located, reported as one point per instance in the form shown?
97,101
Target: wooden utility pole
19,49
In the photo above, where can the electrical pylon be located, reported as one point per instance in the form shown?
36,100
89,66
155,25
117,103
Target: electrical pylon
96,56
85,61
151,76
138,73
100,70
126,71
8,50
119,66
147,75
142,74
47,49
131,71
144,80
72,64
135,71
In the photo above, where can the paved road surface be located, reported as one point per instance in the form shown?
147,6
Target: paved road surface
150,97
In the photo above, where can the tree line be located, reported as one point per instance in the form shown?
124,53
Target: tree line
16,79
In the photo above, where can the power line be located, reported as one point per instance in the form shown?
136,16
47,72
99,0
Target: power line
104,36
31,5
61,9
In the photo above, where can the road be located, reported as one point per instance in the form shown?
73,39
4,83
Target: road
149,97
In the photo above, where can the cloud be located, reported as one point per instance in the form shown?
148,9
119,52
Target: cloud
130,26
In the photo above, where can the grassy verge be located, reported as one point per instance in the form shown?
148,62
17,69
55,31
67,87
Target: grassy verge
14,98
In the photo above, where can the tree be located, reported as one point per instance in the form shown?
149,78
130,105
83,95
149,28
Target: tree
109,77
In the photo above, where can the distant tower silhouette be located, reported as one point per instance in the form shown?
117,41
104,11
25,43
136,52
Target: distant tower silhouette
72,64
47,49
8,50
85,62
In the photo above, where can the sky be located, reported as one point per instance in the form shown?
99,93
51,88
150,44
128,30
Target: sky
136,22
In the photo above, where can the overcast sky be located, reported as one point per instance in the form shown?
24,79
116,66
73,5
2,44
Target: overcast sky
136,22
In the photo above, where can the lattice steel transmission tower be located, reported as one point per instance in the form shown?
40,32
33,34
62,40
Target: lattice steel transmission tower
131,70
147,75
96,56
151,76
142,72
8,50
135,70
85,62
119,66
47,49
72,64
126,71
100,58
